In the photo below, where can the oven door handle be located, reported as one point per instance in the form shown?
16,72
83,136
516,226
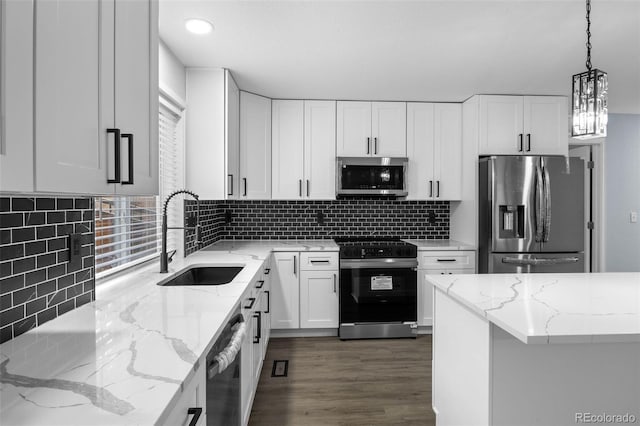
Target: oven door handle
378,263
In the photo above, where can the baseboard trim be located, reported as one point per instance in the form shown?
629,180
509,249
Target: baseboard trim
305,332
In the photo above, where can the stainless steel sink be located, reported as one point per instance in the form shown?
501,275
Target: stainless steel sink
203,275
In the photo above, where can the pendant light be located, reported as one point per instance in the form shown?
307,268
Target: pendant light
589,97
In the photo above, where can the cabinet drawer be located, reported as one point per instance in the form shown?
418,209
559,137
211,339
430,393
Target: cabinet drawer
447,260
318,261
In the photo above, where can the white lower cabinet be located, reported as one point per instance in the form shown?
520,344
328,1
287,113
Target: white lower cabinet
319,299
437,263
192,396
285,290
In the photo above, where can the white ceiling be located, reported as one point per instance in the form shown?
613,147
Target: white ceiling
410,50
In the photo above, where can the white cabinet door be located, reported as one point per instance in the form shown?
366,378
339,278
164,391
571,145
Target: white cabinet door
255,146
285,290
232,137
420,141
70,133
136,93
320,150
257,339
287,150
192,396
500,125
546,129
389,129
353,131
319,299
447,155
16,96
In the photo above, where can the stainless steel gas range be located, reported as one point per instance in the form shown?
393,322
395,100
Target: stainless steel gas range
378,288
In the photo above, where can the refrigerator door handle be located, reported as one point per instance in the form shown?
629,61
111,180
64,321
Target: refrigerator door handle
540,261
539,202
547,205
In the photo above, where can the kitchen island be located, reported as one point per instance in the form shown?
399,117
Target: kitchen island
536,349
126,358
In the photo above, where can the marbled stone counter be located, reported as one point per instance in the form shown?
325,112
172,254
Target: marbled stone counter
552,308
435,245
122,359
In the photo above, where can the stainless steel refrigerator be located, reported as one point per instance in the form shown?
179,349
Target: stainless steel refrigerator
531,214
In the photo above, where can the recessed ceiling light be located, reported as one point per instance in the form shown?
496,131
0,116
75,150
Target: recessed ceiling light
198,26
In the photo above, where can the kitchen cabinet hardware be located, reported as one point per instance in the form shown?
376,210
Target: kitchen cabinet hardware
252,301
300,187
368,146
320,261
528,142
196,412
267,292
116,141
307,187
430,188
438,189
375,145
129,138
520,142
230,184
334,283
267,271
258,316
244,182
261,284
295,272
445,260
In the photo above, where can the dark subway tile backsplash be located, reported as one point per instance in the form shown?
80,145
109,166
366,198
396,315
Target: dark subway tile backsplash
37,283
274,219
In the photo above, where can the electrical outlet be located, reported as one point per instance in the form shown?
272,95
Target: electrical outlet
431,218
228,216
633,217
320,218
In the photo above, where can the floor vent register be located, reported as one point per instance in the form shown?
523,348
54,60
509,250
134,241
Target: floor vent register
280,368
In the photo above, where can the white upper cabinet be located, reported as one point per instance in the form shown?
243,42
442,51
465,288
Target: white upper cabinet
389,129
287,149
255,146
232,136
523,125
320,149
96,97
303,147
434,149
376,129
16,96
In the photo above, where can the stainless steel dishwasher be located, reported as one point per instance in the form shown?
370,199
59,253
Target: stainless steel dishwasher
223,374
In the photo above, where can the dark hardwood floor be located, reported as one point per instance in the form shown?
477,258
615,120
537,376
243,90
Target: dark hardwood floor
357,382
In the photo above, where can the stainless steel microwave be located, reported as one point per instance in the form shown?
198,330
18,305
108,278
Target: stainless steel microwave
371,176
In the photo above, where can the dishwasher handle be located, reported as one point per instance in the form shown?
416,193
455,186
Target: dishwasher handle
224,358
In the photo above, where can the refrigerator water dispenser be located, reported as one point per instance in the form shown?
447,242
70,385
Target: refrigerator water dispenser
511,221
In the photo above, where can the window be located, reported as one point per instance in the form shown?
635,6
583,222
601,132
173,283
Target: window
128,229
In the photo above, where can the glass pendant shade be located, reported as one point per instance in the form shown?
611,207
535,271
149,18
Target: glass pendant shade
589,104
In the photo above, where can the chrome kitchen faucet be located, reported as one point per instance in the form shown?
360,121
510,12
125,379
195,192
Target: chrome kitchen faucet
164,256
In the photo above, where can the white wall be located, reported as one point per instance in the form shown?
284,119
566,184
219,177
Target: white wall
171,73
622,193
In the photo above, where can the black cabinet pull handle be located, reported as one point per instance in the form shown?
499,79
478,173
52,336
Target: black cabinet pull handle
438,189
300,187
446,260
261,284
294,265
244,181
528,142
258,316
520,142
266,271
430,188
307,187
375,145
268,301
129,138
230,182
252,301
368,146
116,177
196,412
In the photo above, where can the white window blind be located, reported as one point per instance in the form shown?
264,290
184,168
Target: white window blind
128,229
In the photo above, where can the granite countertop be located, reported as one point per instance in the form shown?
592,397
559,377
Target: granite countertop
553,308
433,245
123,359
